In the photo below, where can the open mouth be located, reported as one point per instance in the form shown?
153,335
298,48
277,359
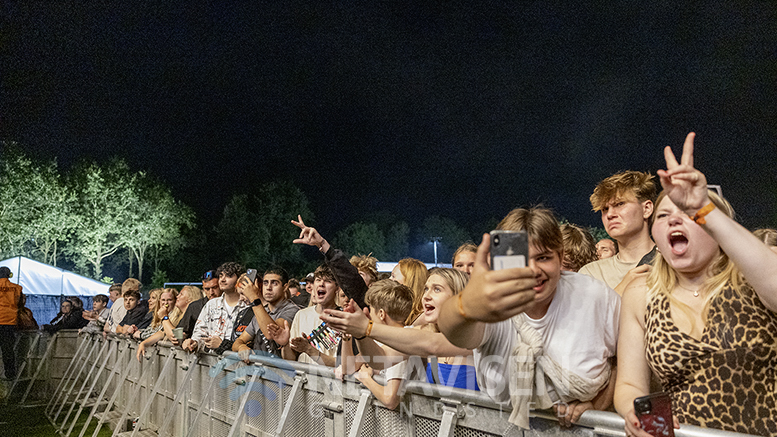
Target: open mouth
429,308
679,242
540,285
321,293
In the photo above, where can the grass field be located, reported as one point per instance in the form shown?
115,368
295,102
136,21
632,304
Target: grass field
30,421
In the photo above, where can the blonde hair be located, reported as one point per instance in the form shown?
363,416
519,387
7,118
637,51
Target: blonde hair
723,272
623,184
768,236
455,279
193,292
175,315
466,247
415,274
367,264
392,297
130,284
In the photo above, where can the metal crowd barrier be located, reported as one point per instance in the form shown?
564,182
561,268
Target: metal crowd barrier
174,393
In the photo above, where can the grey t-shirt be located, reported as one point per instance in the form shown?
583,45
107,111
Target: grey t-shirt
286,310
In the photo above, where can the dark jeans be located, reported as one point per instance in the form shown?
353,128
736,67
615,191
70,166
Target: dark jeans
7,340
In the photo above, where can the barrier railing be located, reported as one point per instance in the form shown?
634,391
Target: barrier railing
174,393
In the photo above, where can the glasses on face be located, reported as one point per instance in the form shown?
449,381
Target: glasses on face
210,274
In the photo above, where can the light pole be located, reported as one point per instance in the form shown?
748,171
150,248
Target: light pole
435,240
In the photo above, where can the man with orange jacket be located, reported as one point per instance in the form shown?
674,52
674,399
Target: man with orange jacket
10,295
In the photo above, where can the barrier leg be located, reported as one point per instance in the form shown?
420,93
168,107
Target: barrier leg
258,371
81,369
178,396
89,375
124,375
104,390
193,425
65,376
299,380
165,370
30,351
49,348
358,420
142,377
450,416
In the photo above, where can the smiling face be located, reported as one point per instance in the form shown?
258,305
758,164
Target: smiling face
272,288
682,243
211,288
546,264
464,262
153,301
436,292
625,216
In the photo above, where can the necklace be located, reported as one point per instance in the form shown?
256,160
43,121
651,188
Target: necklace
695,292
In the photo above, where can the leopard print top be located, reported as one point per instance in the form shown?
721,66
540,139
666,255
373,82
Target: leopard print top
726,380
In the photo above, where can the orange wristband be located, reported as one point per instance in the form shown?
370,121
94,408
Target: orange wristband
369,329
461,307
699,216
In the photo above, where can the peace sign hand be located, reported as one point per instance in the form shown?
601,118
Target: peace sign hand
685,186
309,236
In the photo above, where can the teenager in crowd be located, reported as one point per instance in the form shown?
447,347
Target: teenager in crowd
542,337
464,258
704,320
412,273
579,248
98,315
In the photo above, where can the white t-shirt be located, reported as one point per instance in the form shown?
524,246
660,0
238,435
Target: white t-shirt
579,332
305,322
117,314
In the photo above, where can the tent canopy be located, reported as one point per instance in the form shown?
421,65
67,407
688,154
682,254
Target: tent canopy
42,279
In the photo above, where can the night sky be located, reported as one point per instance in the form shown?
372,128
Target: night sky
419,109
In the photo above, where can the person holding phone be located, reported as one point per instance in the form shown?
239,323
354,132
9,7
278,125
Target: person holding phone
704,320
542,337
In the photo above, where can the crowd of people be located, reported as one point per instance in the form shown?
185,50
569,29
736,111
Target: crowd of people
679,298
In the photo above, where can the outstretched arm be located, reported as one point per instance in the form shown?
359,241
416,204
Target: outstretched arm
490,296
403,340
687,188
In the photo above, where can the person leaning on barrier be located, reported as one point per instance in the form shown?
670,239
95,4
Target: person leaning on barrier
705,319
447,364
97,316
118,310
171,320
269,329
217,319
137,316
389,304
210,290
166,309
541,336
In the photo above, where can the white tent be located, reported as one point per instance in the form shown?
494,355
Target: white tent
44,285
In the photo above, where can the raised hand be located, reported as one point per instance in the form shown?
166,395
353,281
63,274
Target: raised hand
685,186
354,323
496,295
308,235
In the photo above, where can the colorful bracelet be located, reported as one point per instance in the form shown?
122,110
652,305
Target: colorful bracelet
366,333
699,216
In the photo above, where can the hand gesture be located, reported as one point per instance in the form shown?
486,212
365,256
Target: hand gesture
569,413
189,345
245,355
300,345
278,334
213,342
685,186
308,235
496,295
354,323
248,288
141,351
365,372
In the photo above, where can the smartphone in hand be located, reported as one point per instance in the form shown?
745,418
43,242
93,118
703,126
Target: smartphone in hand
509,249
251,273
654,412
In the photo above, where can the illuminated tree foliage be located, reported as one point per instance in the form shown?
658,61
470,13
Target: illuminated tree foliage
35,208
